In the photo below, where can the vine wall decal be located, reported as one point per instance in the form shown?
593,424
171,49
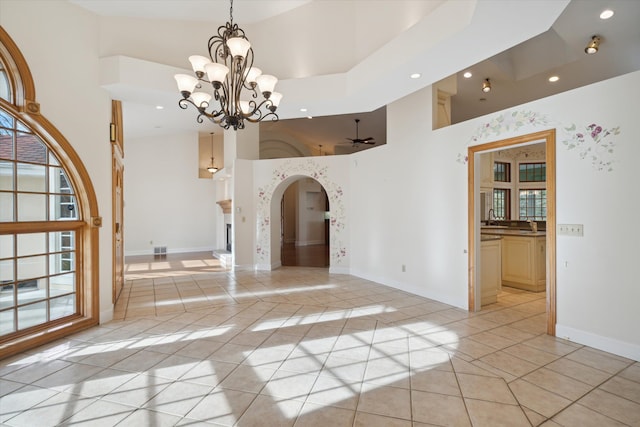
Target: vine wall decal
311,169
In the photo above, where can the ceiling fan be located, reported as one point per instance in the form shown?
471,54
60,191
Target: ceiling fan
357,140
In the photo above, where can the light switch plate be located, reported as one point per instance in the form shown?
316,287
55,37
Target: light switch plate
570,230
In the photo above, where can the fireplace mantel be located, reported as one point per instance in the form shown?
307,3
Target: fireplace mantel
225,205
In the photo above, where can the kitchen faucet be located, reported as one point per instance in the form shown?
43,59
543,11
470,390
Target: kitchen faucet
491,213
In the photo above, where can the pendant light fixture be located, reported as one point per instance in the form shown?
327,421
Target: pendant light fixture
212,168
234,81
486,86
593,46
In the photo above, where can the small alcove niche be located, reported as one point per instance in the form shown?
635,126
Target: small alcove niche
210,151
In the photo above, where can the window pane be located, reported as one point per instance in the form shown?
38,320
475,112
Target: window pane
6,245
62,262
30,148
32,244
6,175
6,122
6,207
533,205
32,290
6,271
63,207
7,297
63,284
32,267
31,178
32,207
5,93
62,306
31,315
7,322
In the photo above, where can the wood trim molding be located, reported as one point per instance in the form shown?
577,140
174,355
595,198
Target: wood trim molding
25,107
549,138
225,205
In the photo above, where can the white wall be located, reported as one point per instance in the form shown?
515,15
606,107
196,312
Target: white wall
166,204
60,43
418,206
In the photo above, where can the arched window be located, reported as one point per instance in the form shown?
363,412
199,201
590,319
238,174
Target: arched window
48,220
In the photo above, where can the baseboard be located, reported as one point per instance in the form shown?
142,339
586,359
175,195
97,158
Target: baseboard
169,251
604,343
106,316
339,270
309,242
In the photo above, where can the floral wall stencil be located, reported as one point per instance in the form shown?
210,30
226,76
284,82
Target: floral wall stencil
505,122
593,143
312,169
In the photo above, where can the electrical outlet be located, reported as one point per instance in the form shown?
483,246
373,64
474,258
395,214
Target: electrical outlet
570,230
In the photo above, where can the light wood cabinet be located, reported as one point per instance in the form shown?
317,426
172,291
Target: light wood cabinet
524,262
490,271
486,171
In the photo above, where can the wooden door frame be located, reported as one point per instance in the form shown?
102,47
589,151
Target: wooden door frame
549,138
117,206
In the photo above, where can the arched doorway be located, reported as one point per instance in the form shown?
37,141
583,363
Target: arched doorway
304,224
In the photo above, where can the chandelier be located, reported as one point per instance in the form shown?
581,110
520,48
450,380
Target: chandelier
234,81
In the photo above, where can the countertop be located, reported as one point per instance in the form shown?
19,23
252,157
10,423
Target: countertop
495,231
488,237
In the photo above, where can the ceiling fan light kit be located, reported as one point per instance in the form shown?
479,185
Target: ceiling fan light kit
234,81
357,140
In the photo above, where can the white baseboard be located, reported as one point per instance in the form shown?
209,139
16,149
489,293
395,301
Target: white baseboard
309,242
106,316
169,251
610,345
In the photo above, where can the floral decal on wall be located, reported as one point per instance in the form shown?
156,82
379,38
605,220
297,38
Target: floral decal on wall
594,143
505,122
309,168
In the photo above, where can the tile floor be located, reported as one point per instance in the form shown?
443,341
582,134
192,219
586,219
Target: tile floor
196,345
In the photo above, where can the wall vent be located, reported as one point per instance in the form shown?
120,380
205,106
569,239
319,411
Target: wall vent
160,251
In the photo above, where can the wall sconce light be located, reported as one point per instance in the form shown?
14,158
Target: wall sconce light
486,86
593,46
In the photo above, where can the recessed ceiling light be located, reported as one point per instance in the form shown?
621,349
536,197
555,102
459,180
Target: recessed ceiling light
467,74
415,75
606,14
303,110
554,79
159,107
309,117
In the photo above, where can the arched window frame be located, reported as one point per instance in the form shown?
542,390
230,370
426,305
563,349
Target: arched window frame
24,107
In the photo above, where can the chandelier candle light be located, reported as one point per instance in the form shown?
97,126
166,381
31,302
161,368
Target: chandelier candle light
234,82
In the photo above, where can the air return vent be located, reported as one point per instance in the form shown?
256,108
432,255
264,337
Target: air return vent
160,251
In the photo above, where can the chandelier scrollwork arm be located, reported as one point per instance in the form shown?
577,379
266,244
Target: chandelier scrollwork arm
233,83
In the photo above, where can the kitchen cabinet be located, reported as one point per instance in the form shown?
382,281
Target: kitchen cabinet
490,270
486,171
524,262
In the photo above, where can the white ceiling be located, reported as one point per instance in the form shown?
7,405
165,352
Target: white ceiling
343,59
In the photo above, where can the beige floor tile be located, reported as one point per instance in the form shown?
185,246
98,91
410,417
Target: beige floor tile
552,345
439,409
364,419
140,361
578,371
270,411
101,383
623,387
178,398
632,372
346,369
493,340
222,407
138,391
600,360
289,385
557,383
51,412
436,381
247,378
209,372
579,416
336,392
613,406
493,414
485,388
383,400
534,418
144,417
313,415
387,371
509,363
100,413
538,399
530,354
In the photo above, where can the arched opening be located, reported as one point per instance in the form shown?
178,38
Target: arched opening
304,225
48,220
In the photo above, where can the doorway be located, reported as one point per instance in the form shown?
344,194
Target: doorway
475,211
304,236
